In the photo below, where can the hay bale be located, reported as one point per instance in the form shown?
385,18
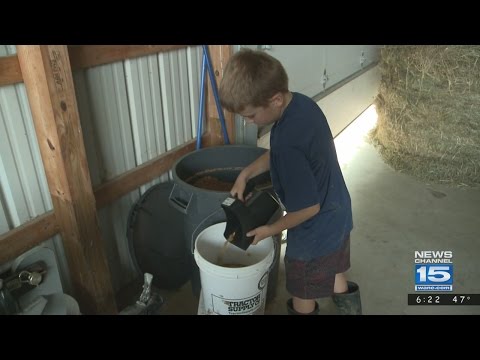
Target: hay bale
429,112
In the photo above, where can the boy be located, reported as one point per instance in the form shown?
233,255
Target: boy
306,177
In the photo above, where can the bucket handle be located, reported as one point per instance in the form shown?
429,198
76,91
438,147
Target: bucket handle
178,199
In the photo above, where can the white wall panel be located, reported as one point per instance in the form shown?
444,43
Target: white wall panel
306,65
346,103
145,105
4,227
315,70
22,183
23,186
342,61
167,101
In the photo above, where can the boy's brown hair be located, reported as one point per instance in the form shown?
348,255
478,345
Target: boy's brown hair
251,78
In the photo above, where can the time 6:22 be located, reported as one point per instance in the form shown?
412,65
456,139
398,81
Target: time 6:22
428,299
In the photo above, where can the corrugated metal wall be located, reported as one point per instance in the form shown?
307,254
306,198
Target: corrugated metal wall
23,186
131,112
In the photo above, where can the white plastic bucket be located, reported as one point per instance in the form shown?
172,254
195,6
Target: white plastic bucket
232,290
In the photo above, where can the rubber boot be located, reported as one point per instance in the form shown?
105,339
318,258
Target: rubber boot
292,311
349,303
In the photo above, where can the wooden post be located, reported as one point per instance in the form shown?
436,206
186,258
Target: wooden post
219,55
48,80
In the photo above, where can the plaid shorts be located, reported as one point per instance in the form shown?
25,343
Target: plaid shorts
315,278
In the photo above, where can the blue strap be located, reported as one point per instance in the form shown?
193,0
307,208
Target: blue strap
207,65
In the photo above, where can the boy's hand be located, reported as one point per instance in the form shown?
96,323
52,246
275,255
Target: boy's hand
260,233
238,188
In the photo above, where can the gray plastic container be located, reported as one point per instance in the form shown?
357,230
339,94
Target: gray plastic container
201,206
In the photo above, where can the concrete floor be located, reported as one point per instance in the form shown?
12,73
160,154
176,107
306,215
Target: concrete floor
394,216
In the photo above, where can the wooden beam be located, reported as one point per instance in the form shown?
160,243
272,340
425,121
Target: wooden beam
10,70
86,56
23,238
219,56
132,179
48,80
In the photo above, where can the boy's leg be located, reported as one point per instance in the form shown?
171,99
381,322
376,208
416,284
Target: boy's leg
301,286
316,278
292,311
307,281
304,306
340,284
346,294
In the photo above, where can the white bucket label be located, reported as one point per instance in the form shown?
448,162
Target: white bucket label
237,306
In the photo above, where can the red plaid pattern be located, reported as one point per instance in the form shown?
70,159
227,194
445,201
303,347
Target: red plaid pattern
315,278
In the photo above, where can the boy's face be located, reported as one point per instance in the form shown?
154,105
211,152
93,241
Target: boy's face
263,115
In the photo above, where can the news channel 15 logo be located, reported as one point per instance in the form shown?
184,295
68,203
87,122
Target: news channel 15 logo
433,270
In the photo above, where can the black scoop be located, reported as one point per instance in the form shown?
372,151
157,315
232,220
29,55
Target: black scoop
257,211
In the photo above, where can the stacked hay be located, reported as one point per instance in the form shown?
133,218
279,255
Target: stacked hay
429,112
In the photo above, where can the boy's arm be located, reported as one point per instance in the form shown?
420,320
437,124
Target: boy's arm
257,167
288,221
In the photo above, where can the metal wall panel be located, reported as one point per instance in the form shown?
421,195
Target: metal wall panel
354,97
24,192
104,114
343,61
24,188
131,112
313,70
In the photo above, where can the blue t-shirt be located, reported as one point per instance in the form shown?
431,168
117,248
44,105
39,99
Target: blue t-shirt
305,172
